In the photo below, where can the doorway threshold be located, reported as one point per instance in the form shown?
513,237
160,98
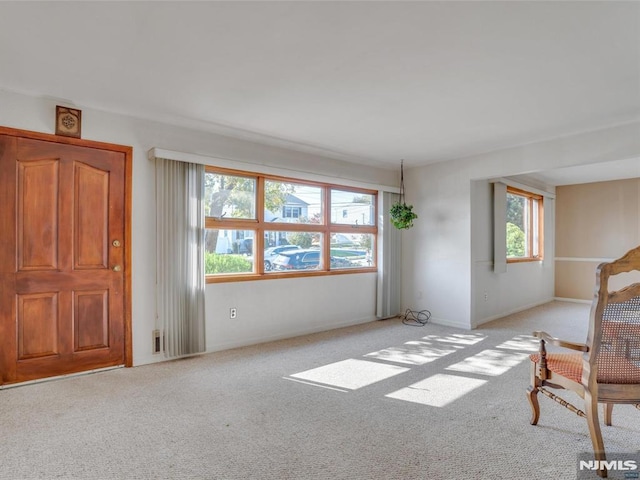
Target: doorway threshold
59,377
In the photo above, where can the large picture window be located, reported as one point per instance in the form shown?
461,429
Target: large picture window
259,226
524,226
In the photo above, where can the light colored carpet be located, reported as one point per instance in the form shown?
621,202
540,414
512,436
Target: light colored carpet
377,401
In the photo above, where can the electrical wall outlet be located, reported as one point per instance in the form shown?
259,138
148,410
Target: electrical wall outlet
233,312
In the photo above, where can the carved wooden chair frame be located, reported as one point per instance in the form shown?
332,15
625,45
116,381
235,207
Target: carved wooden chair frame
607,370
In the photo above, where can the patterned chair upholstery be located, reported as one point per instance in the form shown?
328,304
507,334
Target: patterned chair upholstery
568,365
607,370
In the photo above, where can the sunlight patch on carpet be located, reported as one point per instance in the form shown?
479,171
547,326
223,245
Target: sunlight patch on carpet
351,374
526,343
459,338
438,390
413,353
489,362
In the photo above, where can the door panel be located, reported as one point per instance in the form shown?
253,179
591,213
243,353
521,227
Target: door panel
91,320
37,321
63,305
38,194
91,210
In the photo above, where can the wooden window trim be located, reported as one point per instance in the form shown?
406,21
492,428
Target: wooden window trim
259,226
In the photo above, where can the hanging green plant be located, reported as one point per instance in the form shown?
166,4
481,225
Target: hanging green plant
401,214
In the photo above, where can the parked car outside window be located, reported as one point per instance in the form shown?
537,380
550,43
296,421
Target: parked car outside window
305,259
271,253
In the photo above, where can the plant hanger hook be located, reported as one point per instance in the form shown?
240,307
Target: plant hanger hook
402,200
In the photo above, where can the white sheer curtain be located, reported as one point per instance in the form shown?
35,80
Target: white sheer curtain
180,257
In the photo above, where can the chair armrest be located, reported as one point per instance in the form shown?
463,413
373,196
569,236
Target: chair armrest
560,343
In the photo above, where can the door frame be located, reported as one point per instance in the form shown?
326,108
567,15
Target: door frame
128,176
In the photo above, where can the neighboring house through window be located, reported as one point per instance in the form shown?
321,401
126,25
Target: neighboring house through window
294,207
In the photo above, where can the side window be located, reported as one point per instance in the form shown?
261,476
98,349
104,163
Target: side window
524,226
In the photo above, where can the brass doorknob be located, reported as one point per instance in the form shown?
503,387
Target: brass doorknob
116,243
117,268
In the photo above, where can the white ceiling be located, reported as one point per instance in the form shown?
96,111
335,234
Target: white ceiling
370,82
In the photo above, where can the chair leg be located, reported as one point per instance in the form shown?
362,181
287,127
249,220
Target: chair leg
532,396
608,410
591,410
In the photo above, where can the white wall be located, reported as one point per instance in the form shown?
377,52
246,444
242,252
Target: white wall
436,268
266,309
275,309
439,272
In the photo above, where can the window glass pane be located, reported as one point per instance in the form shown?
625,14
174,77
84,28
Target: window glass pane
292,203
516,230
228,251
351,250
275,249
228,196
352,208
290,251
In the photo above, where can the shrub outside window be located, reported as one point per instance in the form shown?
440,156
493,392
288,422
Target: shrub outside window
228,251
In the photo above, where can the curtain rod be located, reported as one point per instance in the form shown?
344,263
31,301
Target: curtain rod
266,169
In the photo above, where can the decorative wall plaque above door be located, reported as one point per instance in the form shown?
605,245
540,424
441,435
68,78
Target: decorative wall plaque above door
68,121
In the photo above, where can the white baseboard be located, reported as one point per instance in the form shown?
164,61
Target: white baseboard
572,300
449,323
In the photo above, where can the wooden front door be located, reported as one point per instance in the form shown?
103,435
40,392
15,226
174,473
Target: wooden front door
63,257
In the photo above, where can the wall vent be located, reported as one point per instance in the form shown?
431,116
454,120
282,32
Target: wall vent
157,344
